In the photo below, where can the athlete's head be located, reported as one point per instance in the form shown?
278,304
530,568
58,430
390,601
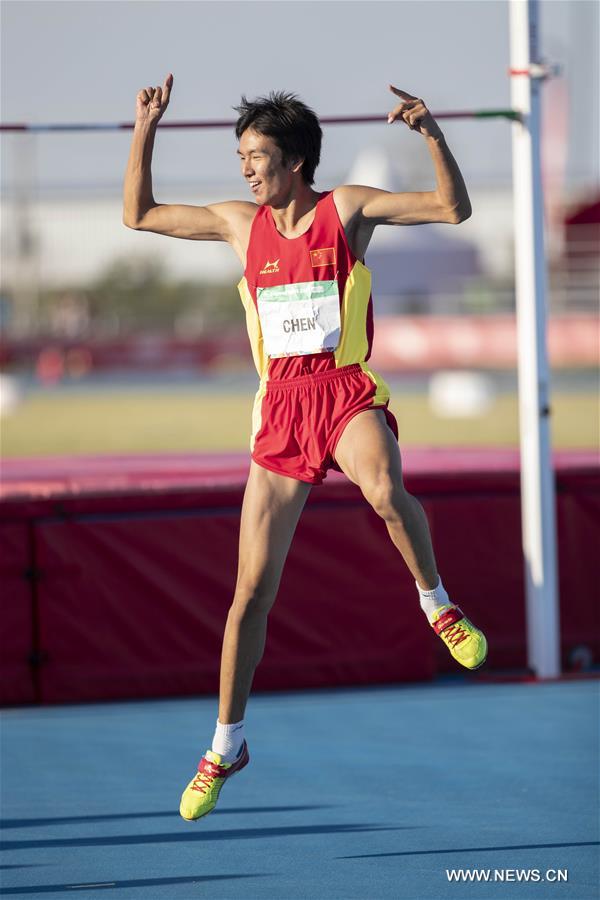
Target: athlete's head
280,139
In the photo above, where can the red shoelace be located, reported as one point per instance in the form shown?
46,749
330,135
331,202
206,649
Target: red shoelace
455,635
448,626
207,772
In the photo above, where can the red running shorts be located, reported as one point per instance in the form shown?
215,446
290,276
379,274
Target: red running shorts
302,420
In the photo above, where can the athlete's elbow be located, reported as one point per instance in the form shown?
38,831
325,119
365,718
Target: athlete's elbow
466,213
460,214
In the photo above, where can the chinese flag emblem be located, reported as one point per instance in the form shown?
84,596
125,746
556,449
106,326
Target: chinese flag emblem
322,257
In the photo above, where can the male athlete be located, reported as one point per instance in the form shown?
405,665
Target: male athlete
306,292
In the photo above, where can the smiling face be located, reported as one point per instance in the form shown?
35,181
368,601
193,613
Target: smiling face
270,179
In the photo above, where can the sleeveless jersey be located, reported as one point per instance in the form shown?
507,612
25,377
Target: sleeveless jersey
308,301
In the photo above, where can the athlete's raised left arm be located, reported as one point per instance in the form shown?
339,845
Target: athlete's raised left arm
448,203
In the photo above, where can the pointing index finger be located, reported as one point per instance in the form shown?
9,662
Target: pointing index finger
168,84
403,94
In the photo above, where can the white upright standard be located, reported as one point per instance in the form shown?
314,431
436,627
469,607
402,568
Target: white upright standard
538,517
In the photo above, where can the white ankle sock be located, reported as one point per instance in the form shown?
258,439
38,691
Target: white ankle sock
433,600
228,740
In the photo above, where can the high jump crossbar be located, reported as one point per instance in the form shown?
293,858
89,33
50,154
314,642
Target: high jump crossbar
509,114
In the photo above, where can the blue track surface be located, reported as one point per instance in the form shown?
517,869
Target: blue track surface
370,793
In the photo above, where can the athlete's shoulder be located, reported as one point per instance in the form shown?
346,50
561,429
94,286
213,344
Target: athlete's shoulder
236,210
351,199
238,217
354,195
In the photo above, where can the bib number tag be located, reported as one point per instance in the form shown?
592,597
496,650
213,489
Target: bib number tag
297,319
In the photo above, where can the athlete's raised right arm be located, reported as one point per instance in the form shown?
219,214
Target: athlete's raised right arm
216,222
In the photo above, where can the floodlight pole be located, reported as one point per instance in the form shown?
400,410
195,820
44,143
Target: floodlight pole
538,518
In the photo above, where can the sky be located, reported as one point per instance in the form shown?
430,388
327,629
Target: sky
85,61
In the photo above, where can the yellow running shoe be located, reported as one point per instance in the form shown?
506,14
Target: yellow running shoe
201,795
466,643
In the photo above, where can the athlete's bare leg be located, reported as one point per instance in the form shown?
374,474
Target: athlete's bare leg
369,455
270,512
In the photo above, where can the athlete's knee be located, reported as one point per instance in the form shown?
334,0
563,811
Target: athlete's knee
387,495
253,599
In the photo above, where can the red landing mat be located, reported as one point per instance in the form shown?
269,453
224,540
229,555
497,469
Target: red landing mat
118,573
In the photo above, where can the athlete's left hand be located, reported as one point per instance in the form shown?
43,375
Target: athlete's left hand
414,113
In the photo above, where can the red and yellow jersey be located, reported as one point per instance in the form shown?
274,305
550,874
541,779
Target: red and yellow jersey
308,301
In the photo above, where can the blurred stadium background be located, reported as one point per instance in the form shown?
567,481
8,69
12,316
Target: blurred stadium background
92,312
103,324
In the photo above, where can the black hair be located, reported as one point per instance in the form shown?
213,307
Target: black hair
292,124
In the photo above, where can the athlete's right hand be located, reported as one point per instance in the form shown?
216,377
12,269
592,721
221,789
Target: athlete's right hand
152,102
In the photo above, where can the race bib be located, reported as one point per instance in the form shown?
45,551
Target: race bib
302,318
